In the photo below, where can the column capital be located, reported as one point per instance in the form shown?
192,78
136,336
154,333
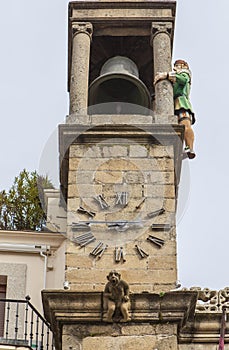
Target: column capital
161,27
82,27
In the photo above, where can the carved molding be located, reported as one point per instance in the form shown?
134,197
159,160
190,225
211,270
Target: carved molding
82,27
159,28
211,300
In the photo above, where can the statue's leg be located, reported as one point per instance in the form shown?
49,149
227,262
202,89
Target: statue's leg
188,133
125,313
110,310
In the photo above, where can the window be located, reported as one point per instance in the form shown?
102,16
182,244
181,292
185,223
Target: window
3,283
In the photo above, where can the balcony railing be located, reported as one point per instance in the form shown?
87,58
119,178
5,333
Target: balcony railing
21,324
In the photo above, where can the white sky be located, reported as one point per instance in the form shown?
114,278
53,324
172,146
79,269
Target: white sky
34,100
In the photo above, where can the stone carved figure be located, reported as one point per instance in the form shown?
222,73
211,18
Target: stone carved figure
181,80
117,295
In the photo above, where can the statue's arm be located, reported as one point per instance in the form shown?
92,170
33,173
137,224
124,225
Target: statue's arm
126,291
171,76
182,78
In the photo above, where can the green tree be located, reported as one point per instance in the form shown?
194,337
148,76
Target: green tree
22,207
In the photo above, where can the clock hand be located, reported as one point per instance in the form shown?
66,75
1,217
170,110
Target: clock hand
84,239
141,252
80,226
140,204
158,241
85,211
109,223
119,225
155,213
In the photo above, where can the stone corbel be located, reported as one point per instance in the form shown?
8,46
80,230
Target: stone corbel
82,27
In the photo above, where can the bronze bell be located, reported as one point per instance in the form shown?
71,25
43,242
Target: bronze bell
118,88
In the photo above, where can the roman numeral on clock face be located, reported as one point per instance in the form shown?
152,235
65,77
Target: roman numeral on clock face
84,239
99,250
102,202
157,241
121,198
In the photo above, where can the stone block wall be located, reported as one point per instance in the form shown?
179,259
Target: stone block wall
135,179
106,337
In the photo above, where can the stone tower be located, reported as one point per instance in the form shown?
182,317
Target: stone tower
120,160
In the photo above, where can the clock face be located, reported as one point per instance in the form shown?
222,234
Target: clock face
119,199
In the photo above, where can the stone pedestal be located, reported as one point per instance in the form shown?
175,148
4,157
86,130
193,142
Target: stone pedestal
77,320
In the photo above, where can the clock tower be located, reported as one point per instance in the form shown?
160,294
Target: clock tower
120,161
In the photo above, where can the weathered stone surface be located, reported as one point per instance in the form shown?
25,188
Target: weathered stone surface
73,163
72,177
163,191
87,164
115,151
82,191
78,150
169,205
145,164
76,275
75,118
156,334
108,177
73,204
167,343
161,151
70,342
138,151
165,164
165,263
73,191
122,14
159,177
127,343
122,119
87,287
118,164
74,260
165,119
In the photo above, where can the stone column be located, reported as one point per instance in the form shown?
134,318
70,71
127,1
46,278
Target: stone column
81,40
161,43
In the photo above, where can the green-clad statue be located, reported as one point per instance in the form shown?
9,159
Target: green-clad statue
181,79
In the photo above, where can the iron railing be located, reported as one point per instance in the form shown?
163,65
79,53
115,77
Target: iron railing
24,325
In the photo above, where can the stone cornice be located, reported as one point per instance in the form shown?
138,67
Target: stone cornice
31,237
123,4
69,307
204,328
69,133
